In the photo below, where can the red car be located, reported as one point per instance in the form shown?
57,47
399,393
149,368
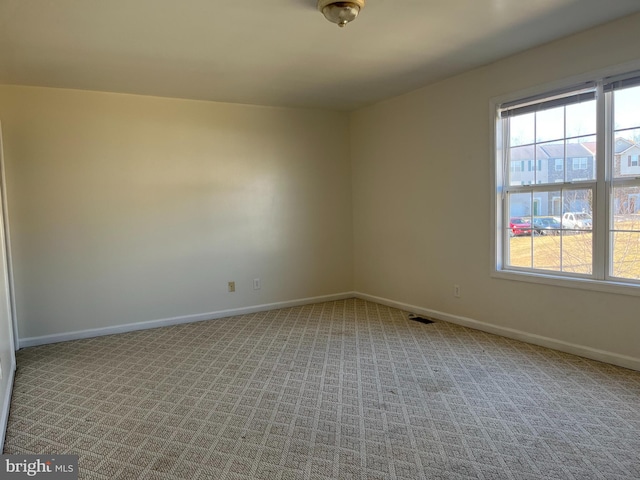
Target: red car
519,226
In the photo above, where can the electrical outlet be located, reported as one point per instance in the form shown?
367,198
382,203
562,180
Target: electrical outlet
232,287
456,291
256,284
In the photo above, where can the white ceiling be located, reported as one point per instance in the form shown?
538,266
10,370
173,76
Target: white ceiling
274,52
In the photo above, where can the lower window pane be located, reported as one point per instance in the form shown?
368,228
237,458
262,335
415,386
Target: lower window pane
519,230
577,207
577,237
626,255
551,230
547,251
625,234
577,252
547,245
520,253
626,208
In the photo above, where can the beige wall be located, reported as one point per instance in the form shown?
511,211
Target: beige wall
128,208
422,193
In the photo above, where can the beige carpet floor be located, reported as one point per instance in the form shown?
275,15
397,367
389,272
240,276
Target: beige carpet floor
338,390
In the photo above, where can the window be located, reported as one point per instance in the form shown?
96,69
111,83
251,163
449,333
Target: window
580,163
581,213
559,165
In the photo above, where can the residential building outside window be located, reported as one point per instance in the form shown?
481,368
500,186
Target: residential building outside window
579,212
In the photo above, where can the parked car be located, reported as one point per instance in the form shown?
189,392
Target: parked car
519,226
576,221
546,225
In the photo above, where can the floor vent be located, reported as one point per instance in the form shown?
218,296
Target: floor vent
418,318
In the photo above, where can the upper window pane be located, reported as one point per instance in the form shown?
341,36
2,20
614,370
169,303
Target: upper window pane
581,159
550,124
627,108
552,154
522,165
573,160
626,155
553,145
522,129
581,119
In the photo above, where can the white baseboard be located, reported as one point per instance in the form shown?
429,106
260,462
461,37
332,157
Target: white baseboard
165,322
580,350
6,403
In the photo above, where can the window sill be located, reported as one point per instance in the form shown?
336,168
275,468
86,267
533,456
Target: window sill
618,288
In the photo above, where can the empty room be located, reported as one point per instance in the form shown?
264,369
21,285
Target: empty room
310,239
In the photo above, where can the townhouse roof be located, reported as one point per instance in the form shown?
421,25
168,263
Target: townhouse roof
573,150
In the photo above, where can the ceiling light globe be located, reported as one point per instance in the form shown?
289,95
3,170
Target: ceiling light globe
340,13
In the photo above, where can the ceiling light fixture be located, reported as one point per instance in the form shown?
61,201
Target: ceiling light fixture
340,12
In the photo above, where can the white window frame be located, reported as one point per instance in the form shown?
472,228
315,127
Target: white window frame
601,280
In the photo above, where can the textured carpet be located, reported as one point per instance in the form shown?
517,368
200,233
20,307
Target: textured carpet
337,390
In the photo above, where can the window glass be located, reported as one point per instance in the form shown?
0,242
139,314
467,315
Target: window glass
577,227
550,124
520,156
581,155
547,231
626,255
519,229
522,128
581,119
627,133
626,152
626,106
625,232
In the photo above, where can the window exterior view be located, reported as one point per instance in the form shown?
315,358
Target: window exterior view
569,189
